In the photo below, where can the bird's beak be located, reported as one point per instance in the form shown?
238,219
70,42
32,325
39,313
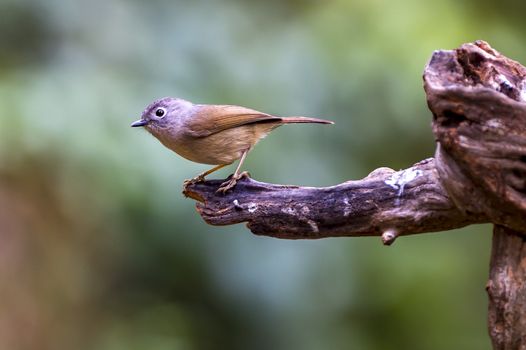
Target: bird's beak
140,122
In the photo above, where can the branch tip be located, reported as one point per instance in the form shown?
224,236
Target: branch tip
389,236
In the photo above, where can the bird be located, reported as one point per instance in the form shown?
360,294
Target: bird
211,134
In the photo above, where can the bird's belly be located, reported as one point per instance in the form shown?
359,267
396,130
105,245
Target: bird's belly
221,148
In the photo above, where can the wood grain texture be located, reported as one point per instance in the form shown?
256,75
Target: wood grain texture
404,202
507,290
477,97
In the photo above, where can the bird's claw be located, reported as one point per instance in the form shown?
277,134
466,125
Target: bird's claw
197,179
231,183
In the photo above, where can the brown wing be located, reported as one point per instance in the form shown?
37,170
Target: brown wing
210,119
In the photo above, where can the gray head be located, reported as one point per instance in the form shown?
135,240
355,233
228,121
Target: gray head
162,113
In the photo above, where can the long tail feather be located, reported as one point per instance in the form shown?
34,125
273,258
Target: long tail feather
292,120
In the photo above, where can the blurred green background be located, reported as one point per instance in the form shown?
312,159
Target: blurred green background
99,249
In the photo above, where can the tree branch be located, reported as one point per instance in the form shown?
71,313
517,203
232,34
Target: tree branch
385,203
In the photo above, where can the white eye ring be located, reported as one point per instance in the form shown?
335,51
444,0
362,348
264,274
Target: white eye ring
160,112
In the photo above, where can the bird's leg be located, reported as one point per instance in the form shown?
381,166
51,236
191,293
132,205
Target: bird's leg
201,177
225,186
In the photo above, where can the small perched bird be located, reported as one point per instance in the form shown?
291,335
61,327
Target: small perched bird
211,134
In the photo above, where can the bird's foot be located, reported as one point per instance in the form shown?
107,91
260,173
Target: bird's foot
197,179
231,183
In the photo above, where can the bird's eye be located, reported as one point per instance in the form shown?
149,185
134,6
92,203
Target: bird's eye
160,112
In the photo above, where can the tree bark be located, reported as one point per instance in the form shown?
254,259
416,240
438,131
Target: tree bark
507,290
477,97
478,100
386,203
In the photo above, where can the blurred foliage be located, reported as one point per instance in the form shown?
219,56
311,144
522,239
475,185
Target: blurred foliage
99,250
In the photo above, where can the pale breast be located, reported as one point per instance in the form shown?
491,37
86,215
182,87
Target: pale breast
221,148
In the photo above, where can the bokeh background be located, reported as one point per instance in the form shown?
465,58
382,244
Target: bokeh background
99,249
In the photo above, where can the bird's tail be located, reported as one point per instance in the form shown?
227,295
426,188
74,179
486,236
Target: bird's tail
293,120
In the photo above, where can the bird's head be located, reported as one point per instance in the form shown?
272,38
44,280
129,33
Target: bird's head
163,113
